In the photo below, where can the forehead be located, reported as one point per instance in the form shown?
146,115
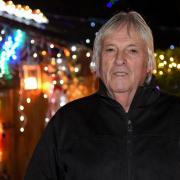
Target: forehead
123,32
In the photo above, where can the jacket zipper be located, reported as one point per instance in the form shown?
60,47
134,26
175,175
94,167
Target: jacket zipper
129,147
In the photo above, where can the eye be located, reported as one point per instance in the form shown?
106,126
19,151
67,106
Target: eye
133,51
109,49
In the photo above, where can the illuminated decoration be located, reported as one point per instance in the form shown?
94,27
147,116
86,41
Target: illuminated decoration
9,51
111,3
22,13
32,77
168,69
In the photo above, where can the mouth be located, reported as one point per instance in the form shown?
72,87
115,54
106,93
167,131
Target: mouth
121,74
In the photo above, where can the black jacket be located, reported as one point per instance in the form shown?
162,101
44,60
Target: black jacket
94,139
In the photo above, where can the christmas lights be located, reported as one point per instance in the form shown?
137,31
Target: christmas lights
10,10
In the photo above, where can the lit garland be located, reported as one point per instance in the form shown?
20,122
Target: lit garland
9,51
168,70
167,61
60,82
9,10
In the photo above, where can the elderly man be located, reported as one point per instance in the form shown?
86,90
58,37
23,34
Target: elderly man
128,129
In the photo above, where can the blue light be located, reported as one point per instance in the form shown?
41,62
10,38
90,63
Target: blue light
93,24
109,5
172,46
9,51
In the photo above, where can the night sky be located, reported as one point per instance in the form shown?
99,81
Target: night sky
158,12
163,16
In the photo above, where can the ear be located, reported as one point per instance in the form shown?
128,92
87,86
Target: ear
149,66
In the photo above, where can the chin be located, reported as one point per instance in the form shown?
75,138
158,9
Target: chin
119,89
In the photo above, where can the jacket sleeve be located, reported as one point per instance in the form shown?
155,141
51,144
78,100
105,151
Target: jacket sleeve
44,162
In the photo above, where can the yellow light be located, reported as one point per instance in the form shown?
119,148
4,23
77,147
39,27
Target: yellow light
171,59
26,7
161,65
88,54
28,100
161,57
21,129
30,83
74,56
45,96
165,62
37,11
45,68
170,66
1,38
21,118
59,55
61,82
47,119
67,52
161,73
53,61
18,6
178,66
76,69
154,71
21,107
155,54
169,70
174,64
44,53
46,86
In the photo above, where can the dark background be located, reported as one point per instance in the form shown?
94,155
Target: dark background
162,16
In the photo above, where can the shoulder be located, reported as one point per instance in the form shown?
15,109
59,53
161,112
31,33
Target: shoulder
76,109
80,104
172,102
169,97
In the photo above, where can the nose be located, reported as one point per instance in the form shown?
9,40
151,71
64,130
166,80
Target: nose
120,58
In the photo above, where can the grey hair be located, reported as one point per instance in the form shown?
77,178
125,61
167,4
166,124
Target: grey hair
131,19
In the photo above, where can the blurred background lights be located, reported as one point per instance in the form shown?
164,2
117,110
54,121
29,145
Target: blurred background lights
161,56
74,56
47,119
21,129
172,46
51,46
32,41
59,60
73,48
21,118
58,55
92,24
88,54
88,41
21,107
28,100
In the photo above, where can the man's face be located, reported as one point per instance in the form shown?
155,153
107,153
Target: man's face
123,61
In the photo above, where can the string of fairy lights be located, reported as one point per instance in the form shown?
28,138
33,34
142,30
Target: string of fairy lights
21,12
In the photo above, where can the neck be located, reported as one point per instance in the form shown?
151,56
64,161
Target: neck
125,99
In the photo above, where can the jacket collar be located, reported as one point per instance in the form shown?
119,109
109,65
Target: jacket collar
144,96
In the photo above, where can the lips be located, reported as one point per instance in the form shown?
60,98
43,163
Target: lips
120,73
